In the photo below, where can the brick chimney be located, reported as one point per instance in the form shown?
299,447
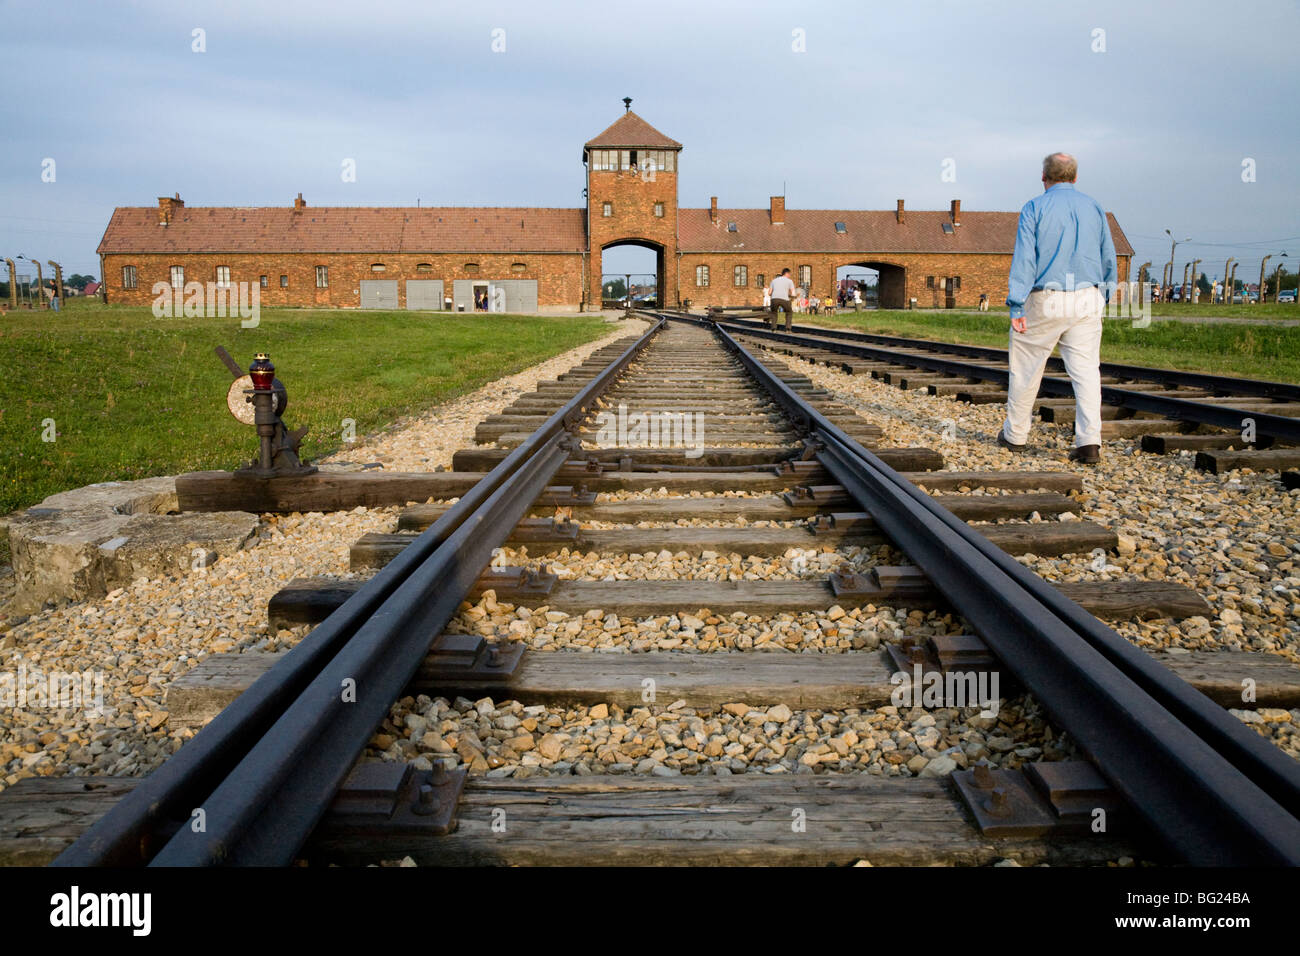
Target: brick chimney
299,203
956,212
713,210
776,209
899,213
167,207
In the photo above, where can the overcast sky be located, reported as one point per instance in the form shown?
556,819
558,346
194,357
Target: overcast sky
883,93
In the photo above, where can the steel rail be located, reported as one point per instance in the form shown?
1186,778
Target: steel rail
1212,790
134,831
1226,384
1280,427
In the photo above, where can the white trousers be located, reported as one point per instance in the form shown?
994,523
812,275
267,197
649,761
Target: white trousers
1071,321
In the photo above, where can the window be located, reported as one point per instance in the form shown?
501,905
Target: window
929,282
660,160
471,268
659,209
805,277
604,159
128,277
284,282
740,276
377,267
948,230
840,227
424,267
956,283
760,281
178,278
607,209
731,227
701,276
262,281
518,267
322,277
223,277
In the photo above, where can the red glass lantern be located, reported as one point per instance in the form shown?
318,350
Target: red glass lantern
262,372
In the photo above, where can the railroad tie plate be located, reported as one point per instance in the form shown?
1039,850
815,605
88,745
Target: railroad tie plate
471,657
823,495
546,531
383,797
514,582
1044,799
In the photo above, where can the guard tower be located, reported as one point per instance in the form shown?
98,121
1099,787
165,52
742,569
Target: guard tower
632,197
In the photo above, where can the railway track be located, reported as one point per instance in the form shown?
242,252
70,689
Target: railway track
1227,422
682,491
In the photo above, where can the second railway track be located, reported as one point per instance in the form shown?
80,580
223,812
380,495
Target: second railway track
613,604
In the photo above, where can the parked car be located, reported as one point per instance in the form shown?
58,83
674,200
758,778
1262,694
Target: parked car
1287,295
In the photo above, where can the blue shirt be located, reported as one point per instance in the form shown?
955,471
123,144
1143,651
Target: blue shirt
1062,233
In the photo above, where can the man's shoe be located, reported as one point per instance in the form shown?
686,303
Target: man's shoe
1010,446
1086,454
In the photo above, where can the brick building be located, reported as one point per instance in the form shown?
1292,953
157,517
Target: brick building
549,260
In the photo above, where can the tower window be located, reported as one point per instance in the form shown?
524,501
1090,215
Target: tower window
659,209
702,276
607,209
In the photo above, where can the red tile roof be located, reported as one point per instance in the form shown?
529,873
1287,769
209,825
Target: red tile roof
337,229
631,130
813,230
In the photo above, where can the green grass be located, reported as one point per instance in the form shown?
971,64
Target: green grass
1251,351
133,396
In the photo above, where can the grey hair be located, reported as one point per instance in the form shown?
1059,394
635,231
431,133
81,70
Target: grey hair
1060,168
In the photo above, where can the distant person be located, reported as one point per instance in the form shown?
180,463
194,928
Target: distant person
984,301
767,297
857,299
782,296
1063,237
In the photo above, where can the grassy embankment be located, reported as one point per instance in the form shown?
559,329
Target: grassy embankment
132,395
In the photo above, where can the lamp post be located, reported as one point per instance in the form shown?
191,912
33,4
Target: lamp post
1170,268
1262,263
13,284
58,280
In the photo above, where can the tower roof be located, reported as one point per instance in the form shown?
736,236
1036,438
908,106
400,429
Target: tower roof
631,130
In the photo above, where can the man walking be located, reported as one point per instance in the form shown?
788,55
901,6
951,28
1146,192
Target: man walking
1061,276
782,293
